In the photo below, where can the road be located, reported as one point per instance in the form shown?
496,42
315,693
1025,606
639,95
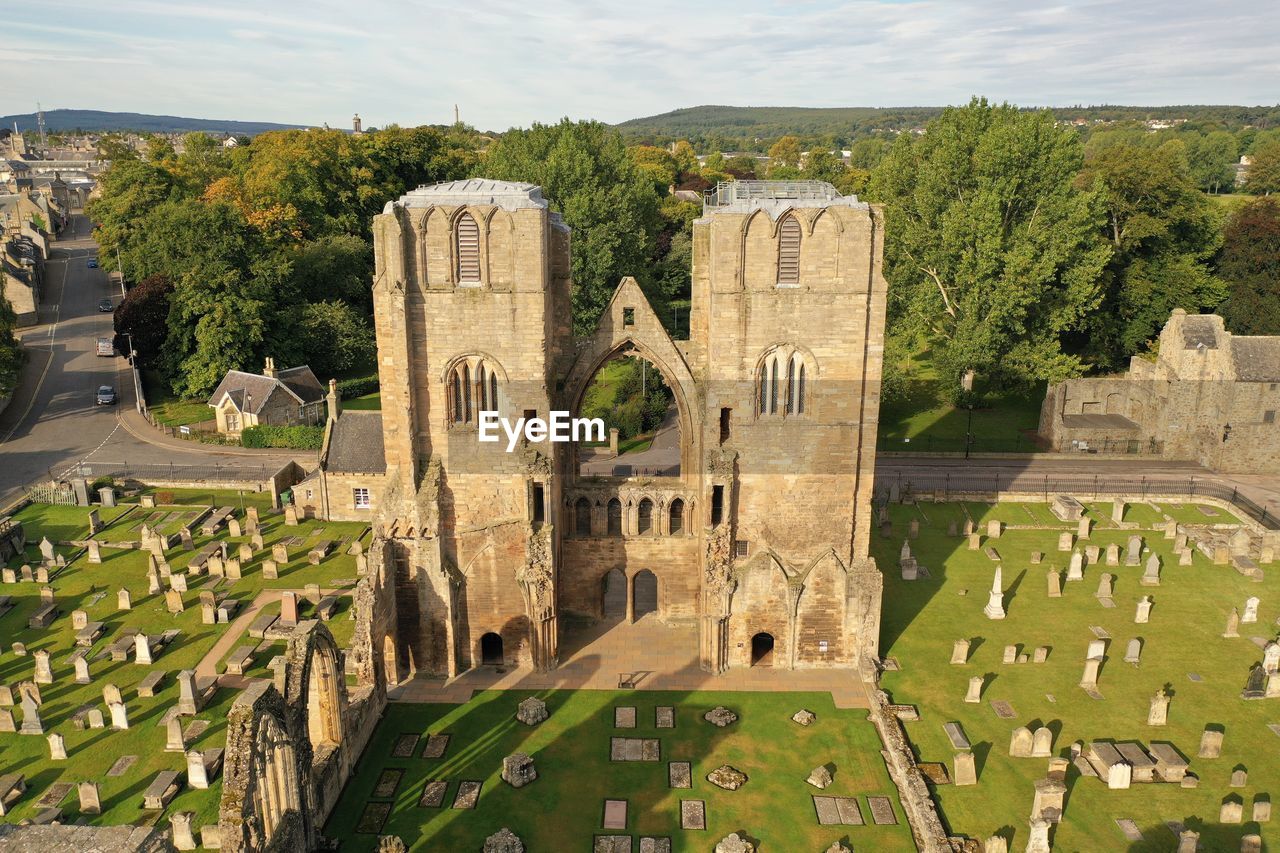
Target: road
52,422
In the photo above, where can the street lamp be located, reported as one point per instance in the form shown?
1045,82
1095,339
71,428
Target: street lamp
966,388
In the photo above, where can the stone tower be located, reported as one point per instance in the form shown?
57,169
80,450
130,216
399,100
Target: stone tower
357,126
756,541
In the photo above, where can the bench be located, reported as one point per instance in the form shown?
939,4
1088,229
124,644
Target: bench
240,659
259,627
162,790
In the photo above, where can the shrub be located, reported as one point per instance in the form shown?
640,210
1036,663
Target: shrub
295,437
357,386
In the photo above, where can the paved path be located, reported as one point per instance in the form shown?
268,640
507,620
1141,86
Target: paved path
52,421
655,655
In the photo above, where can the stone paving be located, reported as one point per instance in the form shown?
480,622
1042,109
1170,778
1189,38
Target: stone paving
656,655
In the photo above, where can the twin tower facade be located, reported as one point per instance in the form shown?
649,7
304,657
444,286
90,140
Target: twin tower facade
760,539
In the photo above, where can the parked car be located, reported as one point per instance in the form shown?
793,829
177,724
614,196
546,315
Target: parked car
106,348
106,307
93,263
106,396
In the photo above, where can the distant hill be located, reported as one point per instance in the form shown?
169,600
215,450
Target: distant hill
740,125
100,121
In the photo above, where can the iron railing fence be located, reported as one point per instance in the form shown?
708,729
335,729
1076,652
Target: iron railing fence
1047,485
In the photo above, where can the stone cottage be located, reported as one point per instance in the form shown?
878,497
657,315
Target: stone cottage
290,397
348,484
1209,396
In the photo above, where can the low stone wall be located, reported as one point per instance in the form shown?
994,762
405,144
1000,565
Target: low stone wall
913,792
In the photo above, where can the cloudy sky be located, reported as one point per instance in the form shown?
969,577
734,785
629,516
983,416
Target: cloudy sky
511,62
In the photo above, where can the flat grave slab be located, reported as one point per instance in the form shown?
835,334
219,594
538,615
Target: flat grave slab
1100,632
385,789
405,745
934,772
1129,828
468,794
624,717
664,717
634,749
53,795
615,814
882,813
194,729
1003,709
436,746
850,814
611,844
956,733
1195,676
655,844
827,811
122,765
433,794
1275,728
693,814
373,817
679,775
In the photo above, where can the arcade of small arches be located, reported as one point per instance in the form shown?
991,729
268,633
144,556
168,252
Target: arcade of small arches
473,383
633,515
628,596
783,375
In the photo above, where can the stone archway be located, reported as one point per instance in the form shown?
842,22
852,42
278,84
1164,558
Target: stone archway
324,701
762,649
613,590
491,650
275,777
389,663
644,593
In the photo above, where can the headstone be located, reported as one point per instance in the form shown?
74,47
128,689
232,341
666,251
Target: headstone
173,735
1104,587
154,585
1261,810
1186,557
180,824
1151,575
111,694
1054,580
1113,554
1271,658
975,689
1037,557
142,649
57,747
95,552
1038,839
995,601
1010,654
1082,527
6,721
188,541
1210,744
1250,610
1133,552
1233,624
993,529
288,608
960,652
233,528
1143,612
1091,554
119,716
1021,742
1232,810
31,724
1075,569
1065,541
44,673
1117,511
1133,651
95,720
123,601
82,670
975,541
1239,777
269,570
1158,715
1041,654
1042,743
966,771
1089,679
173,601
197,774
280,553
107,496
90,803
46,550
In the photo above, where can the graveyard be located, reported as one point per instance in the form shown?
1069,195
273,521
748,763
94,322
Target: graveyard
414,779
997,674
118,623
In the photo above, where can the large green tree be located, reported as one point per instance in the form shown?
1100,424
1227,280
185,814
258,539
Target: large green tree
1250,266
1213,161
992,254
587,175
1263,176
1163,233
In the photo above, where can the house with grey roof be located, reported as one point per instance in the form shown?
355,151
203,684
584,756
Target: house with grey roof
292,397
1208,396
351,479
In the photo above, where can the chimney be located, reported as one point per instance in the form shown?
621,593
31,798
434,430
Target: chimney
269,370
335,401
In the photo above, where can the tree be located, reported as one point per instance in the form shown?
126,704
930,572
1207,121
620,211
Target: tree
339,339
785,152
867,153
823,165
992,254
1263,176
1162,232
143,316
1250,266
1213,161
130,191
10,350
588,176
657,164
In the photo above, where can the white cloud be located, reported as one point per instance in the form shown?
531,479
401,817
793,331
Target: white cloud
509,63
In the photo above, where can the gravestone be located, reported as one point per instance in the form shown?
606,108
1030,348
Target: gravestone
1250,610
1113,554
57,747
975,690
233,528
44,673
1133,651
966,771
197,772
1010,654
107,496
1091,554
1054,581
1042,743
995,601
188,541
1082,528
1065,541
974,541
1186,557
1089,680
173,601
291,515
1133,552
280,553
1075,570
82,670
1021,742
1037,557
1210,744
269,570
1117,511
1151,574
95,552
1143,613
173,735
95,720
1041,654
142,649
1239,777
245,552
993,529
123,601
31,724
6,721
960,652
1104,587
1158,715
288,609
1233,624
46,550
119,716
1232,810
90,802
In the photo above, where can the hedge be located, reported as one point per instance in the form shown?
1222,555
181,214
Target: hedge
357,386
294,437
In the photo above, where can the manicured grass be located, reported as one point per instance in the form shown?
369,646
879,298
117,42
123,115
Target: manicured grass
211,497
367,403
562,809
923,421
169,409
93,588
922,619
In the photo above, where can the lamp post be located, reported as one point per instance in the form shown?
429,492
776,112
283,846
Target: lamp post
966,388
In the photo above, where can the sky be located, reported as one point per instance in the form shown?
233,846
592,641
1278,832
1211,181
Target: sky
512,62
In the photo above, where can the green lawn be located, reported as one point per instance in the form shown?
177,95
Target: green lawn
93,589
923,421
168,409
921,620
367,403
562,809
